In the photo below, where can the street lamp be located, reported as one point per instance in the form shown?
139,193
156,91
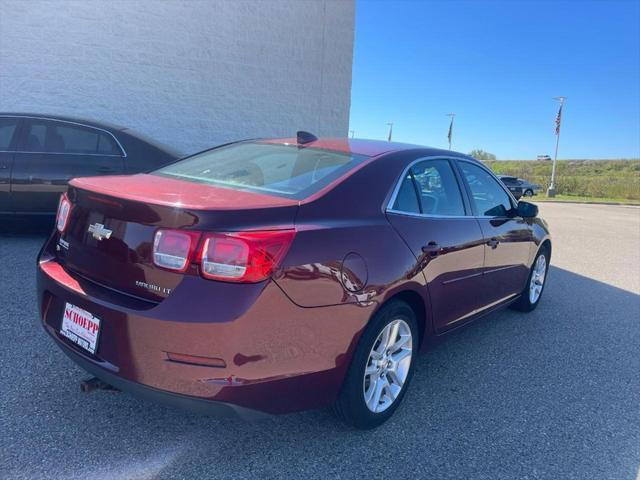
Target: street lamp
551,191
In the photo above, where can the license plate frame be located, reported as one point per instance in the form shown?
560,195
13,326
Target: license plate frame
80,327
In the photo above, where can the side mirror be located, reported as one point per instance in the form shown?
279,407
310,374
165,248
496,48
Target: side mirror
527,210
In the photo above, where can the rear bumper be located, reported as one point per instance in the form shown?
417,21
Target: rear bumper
148,393
279,357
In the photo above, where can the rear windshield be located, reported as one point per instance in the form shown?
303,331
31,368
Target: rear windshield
283,170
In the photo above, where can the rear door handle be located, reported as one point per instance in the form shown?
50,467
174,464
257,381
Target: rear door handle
432,249
105,169
493,243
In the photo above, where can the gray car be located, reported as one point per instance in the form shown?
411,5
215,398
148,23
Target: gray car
520,187
39,154
529,189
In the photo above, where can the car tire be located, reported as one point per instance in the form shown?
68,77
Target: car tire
528,192
532,292
359,404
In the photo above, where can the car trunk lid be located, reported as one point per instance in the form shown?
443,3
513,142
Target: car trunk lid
113,221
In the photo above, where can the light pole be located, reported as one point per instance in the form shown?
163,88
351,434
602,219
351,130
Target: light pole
390,131
450,134
551,191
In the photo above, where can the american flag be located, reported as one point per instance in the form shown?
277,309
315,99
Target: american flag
558,120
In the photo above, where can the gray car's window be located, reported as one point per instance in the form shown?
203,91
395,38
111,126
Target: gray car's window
107,146
438,188
54,137
7,128
489,197
36,137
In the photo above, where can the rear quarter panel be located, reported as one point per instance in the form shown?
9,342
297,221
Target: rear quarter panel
345,250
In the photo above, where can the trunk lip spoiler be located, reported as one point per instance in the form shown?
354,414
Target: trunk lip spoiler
112,186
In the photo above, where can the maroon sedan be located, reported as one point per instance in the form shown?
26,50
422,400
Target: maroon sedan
271,276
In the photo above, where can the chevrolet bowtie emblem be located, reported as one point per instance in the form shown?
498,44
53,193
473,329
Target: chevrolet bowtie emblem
98,231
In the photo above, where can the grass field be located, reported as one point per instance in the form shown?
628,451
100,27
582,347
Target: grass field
617,181
581,199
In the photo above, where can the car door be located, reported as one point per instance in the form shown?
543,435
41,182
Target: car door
508,237
51,153
431,214
9,132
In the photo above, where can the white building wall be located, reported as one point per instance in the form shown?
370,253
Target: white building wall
189,73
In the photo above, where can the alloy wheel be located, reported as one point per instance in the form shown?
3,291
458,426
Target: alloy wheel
537,278
388,366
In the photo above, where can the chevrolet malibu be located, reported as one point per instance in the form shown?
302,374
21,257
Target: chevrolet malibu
272,276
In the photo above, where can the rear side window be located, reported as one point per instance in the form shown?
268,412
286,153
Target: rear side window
36,137
438,188
7,129
489,197
283,170
53,137
407,197
106,145
430,188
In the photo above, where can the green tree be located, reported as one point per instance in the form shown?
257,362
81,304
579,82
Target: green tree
482,155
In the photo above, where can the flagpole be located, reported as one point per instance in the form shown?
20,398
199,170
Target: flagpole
551,191
450,135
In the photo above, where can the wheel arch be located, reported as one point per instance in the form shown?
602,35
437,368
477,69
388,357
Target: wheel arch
419,306
546,244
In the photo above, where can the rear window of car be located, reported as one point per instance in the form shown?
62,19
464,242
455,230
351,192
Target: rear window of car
289,171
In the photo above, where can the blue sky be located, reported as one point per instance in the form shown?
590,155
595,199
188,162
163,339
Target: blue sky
497,65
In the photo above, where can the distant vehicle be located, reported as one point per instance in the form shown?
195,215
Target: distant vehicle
545,158
520,187
529,189
513,184
39,154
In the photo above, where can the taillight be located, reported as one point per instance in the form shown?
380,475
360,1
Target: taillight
173,249
244,256
64,207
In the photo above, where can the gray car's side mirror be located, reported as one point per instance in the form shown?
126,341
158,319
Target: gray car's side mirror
527,210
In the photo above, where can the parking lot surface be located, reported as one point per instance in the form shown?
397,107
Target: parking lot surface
554,394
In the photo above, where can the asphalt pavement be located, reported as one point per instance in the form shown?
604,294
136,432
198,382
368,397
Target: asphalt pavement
554,394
